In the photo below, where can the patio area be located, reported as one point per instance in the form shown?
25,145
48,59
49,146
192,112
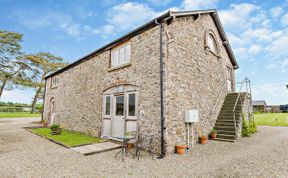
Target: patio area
23,154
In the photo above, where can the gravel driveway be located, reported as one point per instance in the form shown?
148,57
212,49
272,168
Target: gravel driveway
23,154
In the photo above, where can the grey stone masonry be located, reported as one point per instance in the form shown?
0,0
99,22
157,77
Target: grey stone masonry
194,77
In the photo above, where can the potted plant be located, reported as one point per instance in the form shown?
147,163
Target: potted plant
55,129
213,133
202,137
130,145
180,148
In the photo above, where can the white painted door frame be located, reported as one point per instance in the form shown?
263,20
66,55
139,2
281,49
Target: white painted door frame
114,125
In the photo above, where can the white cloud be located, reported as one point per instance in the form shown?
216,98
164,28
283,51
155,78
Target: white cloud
276,11
238,16
279,65
284,20
255,49
273,93
279,46
198,4
159,2
125,16
48,19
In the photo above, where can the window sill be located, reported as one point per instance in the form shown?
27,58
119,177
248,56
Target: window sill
119,67
208,50
53,87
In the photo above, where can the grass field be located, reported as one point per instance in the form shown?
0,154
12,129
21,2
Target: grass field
17,115
67,138
271,119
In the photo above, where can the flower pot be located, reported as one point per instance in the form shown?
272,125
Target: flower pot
213,135
203,140
180,149
56,131
130,146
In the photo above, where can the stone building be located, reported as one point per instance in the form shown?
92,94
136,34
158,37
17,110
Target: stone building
146,80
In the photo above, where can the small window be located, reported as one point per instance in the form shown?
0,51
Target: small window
132,104
211,42
54,82
107,105
120,55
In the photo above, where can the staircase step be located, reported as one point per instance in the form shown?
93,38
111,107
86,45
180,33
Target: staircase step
228,117
228,132
221,127
225,140
226,136
225,123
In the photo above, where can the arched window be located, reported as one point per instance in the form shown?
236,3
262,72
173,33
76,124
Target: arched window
211,42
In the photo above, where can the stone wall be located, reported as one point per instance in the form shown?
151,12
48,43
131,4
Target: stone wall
79,95
194,77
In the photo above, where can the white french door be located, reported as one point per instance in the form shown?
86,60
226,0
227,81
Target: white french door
119,114
118,126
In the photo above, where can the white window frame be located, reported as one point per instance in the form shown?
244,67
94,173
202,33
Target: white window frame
211,42
54,81
127,106
119,60
104,106
229,78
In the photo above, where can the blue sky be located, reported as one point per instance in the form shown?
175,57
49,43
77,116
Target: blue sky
257,31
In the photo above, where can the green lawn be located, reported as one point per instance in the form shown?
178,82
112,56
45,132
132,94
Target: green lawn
272,119
17,115
67,138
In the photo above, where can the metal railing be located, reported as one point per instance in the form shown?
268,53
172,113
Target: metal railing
247,83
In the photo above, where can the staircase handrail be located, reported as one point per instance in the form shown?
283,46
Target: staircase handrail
247,82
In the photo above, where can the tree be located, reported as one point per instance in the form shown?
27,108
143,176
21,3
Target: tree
41,64
12,71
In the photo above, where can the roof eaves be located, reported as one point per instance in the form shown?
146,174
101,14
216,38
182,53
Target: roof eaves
111,44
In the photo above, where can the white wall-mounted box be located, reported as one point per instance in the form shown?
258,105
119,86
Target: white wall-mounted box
191,116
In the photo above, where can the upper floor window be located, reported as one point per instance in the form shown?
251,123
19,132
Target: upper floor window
120,55
54,82
211,42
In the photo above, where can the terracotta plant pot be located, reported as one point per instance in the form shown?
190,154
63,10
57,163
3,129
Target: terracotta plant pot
180,149
56,131
203,140
213,135
130,146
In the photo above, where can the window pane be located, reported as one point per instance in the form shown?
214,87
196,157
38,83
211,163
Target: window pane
107,105
212,43
131,105
119,106
121,55
127,53
115,57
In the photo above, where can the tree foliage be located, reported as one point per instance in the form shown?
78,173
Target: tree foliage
13,72
41,64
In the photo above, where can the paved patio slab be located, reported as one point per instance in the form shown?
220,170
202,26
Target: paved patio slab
96,148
